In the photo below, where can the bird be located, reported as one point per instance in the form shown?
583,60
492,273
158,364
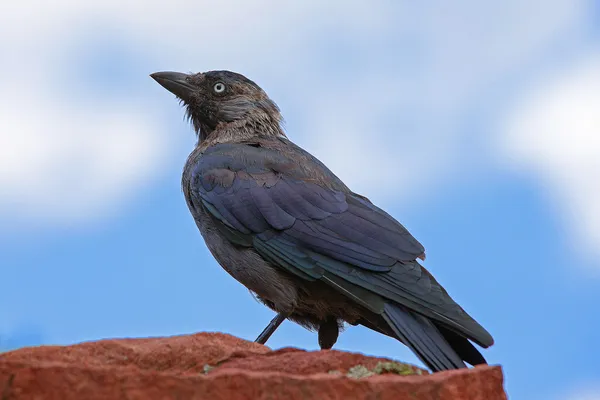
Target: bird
305,245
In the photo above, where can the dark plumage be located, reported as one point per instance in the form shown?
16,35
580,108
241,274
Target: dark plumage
309,248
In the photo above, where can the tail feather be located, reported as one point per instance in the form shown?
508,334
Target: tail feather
463,347
423,338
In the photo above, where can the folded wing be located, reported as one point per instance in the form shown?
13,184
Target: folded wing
318,232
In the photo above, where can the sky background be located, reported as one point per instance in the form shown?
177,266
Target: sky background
479,123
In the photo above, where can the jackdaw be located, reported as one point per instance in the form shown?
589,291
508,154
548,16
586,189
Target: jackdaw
315,252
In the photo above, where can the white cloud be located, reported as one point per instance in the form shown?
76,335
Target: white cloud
63,165
589,393
555,132
401,61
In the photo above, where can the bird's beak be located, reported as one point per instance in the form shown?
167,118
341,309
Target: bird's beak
175,82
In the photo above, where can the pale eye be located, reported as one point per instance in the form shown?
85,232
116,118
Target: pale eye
219,87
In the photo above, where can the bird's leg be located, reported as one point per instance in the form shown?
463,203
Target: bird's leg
328,333
271,328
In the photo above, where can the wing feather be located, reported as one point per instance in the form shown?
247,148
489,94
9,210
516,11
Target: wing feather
316,232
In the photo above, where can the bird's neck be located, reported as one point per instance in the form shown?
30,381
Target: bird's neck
241,130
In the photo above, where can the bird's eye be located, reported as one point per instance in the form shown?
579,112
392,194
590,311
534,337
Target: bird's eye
219,87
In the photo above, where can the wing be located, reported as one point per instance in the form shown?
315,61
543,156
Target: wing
316,232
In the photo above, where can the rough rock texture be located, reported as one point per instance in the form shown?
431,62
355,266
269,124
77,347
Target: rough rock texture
218,366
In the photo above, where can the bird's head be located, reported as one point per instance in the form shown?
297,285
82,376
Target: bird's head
216,99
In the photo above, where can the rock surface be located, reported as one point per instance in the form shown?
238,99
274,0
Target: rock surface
218,366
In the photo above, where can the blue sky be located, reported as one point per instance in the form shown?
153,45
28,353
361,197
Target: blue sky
478,124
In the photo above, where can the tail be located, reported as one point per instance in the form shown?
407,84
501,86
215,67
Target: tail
427,341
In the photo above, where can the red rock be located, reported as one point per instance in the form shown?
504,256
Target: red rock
218,366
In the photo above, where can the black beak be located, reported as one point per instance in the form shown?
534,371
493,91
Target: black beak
176,83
